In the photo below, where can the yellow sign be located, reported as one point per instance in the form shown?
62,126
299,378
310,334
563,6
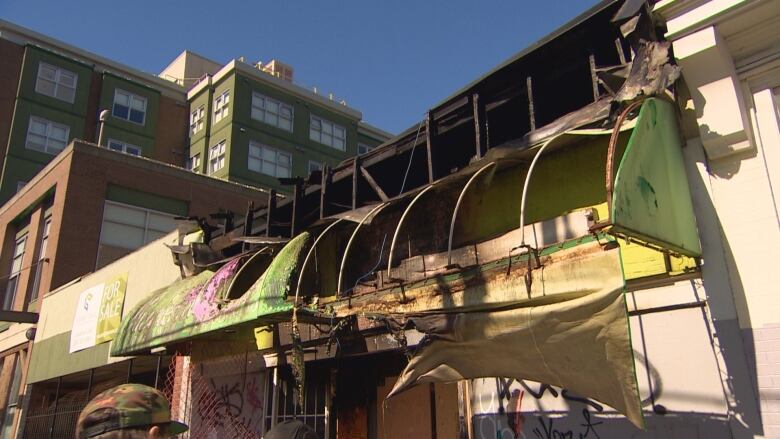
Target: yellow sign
110,312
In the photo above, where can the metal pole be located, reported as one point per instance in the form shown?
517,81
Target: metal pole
89,385
157,374
103,117
56,403
129,369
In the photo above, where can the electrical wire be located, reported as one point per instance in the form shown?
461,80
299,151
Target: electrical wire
411,156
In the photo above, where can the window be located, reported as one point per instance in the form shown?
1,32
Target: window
16,269
217,157
46,136
13,398
126,148
363,148
41,258
56,82
272,112
196,119
193,163
131,227
269,161
314,166
221,104
20,185
328,133
129,107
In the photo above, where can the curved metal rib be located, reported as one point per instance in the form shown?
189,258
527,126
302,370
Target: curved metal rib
349,244
457,206
308,255
527,182
400,223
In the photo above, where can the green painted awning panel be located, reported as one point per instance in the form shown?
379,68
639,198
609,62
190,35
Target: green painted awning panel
201,304
652,200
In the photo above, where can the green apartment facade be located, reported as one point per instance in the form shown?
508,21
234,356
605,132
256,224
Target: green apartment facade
54,93
249,126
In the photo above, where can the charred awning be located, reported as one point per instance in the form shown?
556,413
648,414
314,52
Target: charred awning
246,292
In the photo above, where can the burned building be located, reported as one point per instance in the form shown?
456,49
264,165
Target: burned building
527,260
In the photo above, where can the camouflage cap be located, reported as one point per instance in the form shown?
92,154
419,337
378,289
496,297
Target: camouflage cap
126,406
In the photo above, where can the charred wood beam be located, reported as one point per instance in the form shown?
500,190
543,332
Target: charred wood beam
295,217
355,166
621,54
326,178
248,220
480,125
271,208
373,184
531,114
429,135
594,79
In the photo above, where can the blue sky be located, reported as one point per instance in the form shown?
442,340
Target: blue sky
392,60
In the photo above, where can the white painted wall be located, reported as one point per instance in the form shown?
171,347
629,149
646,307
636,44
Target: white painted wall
730,54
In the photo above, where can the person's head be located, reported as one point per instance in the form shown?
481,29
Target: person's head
128,411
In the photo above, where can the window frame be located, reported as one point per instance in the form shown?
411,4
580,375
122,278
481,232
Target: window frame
193,163
130,96
197,122
42,247
266,111
58,73
124,147
322,122
15,271
14,399
220,157
221,107
259,157
47,136
146,227
366,147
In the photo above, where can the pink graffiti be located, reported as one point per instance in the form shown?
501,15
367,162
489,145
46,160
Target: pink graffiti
205,305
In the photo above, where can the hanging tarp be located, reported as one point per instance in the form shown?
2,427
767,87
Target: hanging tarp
651,200
213,301
579,341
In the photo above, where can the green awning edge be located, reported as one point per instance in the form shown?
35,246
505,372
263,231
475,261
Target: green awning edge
652,200
194,307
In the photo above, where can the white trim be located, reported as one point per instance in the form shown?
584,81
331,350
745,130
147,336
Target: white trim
147,228
59,72
130,97
221,107
259,160
287,86
124,147
197,120
217,156
321,134
46,137
262,104
21,35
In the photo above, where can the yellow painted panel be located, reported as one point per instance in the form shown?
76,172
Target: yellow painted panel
681,265
640,261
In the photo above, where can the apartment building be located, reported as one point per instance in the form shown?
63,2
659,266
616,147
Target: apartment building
52,93
87,208
250,123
